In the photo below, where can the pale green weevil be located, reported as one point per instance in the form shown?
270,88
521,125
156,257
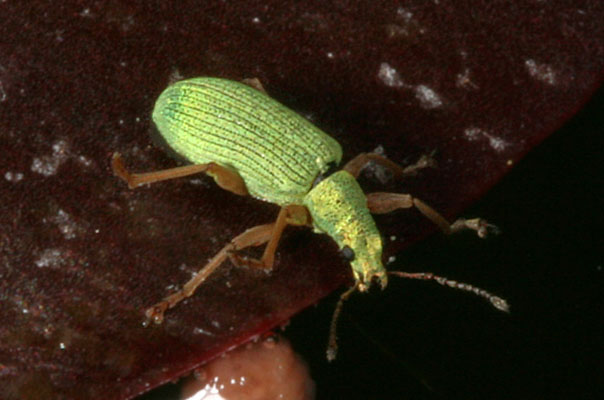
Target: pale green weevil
252,145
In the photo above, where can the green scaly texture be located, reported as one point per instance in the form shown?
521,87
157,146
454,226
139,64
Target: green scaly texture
277,152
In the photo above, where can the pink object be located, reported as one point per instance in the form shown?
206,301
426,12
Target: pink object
267,369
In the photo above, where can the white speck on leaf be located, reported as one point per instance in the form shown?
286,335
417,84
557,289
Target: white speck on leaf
200,331
405,14
463,80
68,227
427,97
84,161
2,93
13,176
542,72
49,258
390,76
86,13
48,165
45,165
473,134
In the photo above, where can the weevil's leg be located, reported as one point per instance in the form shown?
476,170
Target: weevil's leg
255,83
383,203
332,344
356,165
288,215
268,257
496,301
298,215
224,177
255,236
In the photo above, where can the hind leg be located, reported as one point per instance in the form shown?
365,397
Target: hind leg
224,177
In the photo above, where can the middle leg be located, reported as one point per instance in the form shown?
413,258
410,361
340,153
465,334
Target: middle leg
256,236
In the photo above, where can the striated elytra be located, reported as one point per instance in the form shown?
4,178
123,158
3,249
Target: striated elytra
253,145
277,152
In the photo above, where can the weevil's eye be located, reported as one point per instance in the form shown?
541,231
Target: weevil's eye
347,253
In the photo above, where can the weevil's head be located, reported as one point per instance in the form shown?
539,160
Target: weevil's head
365,256
338,207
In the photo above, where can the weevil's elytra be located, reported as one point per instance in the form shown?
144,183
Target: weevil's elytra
252,145
277,152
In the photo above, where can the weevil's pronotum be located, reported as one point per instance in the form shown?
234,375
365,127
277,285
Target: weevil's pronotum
252,145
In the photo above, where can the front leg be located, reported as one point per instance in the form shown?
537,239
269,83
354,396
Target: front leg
288,215
383,203
255,236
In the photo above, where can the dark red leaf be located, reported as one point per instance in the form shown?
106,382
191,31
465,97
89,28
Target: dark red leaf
478,83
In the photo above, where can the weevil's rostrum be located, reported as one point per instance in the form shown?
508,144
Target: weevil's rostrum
251,144
277,152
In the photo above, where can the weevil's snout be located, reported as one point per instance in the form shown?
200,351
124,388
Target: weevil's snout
367,279
367,264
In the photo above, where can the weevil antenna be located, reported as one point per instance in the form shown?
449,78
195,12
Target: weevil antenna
332,344
496,301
